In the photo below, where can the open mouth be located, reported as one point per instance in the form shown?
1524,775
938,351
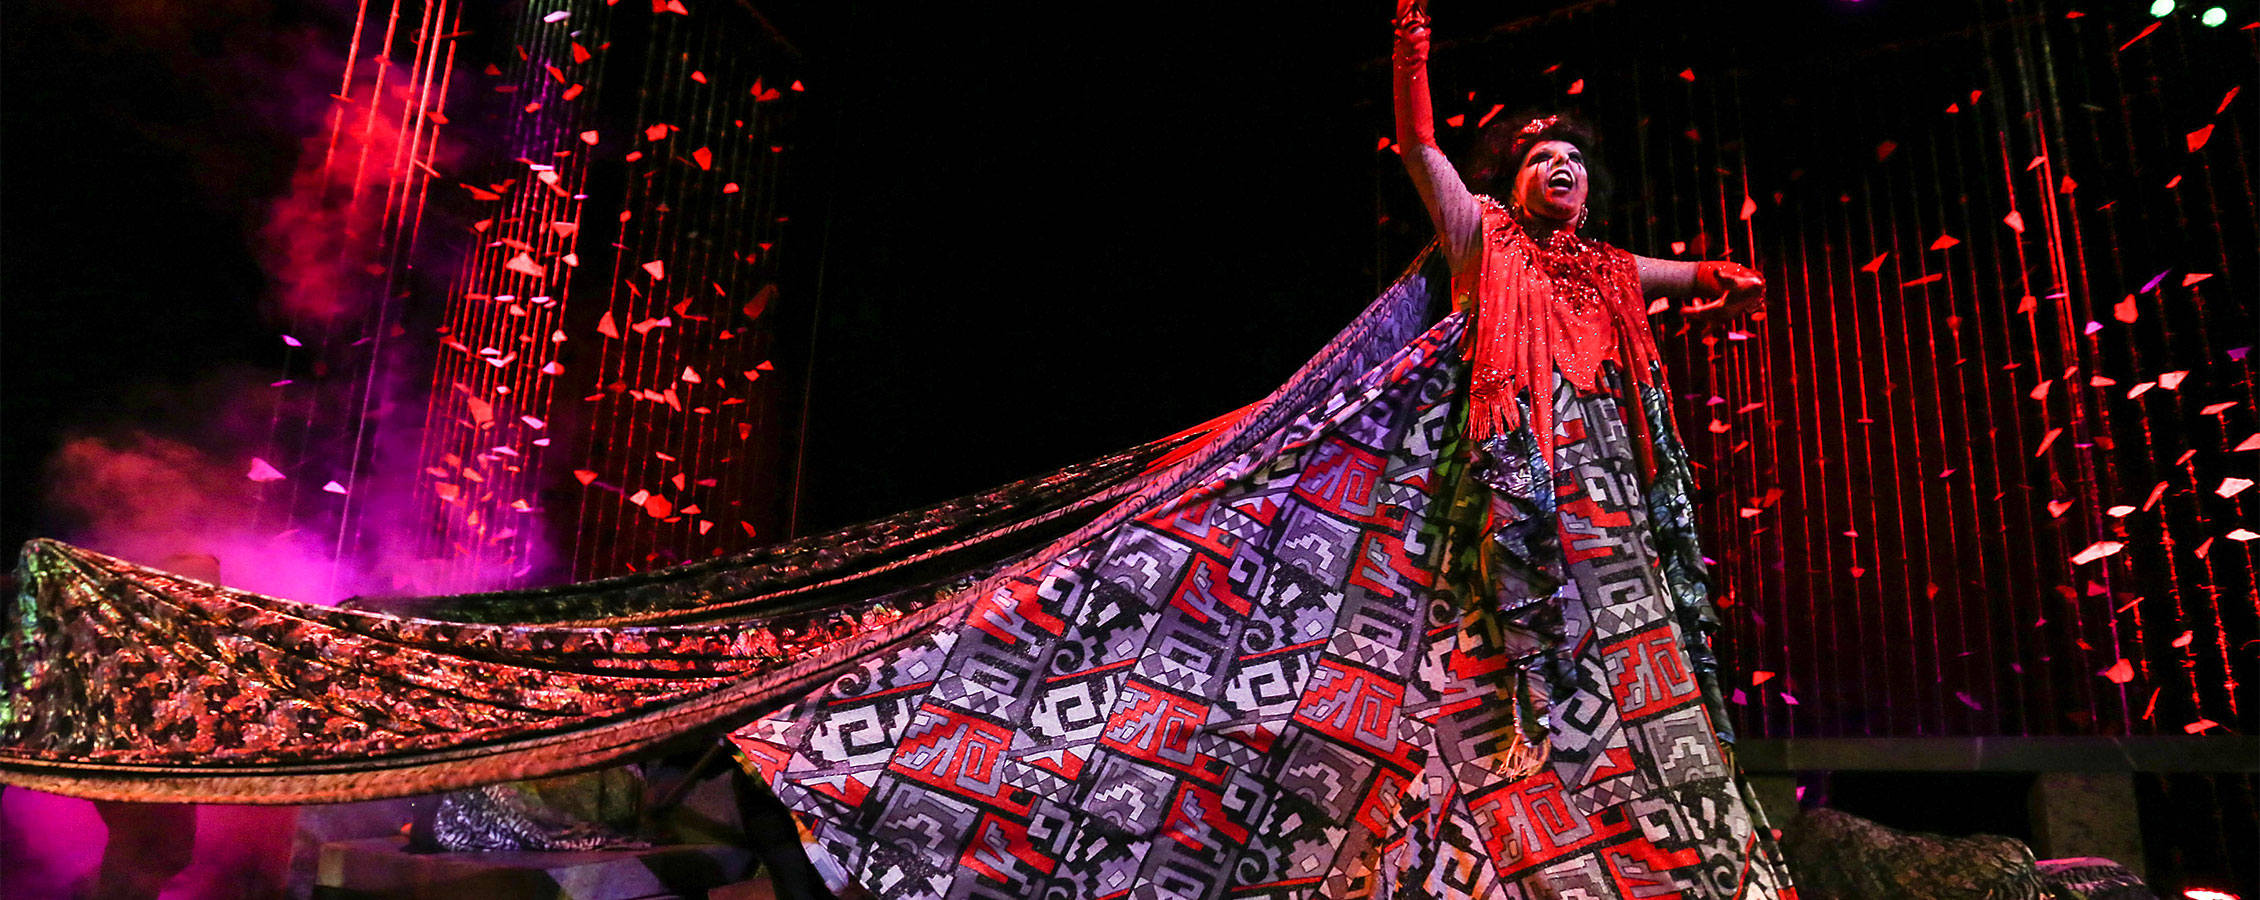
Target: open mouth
1563,180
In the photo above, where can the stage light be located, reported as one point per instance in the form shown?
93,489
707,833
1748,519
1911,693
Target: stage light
2206,893
2214,17
2160,8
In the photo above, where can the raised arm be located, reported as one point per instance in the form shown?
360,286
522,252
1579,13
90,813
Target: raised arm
1459,221
1719,289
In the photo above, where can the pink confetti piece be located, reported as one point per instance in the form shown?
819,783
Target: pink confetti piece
2152,284
2172,380
1966,701
589,138
1789,699
524,264
2185,639
2140,389
657,269
2200,725
2119,512
2046,440
533,423
690,375
2233,486
2249,443
2241,535
2214,409
334,488
2195,277
2015,220
289,341
263,472
2096,551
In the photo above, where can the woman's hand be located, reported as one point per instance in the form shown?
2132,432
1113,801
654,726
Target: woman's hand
1412,32
1724,290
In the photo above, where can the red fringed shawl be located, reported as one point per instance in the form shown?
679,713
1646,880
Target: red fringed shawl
1536,310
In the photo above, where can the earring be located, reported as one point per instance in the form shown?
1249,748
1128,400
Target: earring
1581,211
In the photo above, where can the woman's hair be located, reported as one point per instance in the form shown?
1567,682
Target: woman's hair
1500,150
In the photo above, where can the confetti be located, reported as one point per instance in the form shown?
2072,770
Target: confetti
704,157
2185,639
2214,409
2046,440
2233,486
2015,220
2056,508
1486,120
2241,535
558,16
2198,138
2096,551
2120,672
263,472
533,423
589,138
690,375
525,265
334,488
1576,87
2119,512
1875,264
2124,310
1944,241
2172,380
2249,443
2194,277
2201,724
657,269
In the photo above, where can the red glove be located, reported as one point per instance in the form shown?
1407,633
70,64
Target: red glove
1416,122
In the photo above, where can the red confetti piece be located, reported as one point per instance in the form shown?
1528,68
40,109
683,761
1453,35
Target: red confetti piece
704,158
690,375
2120,672
2198,138
2056,508
1749,208
2225,98
262,471
1884,149
1486,120
1760,677
2040,391
447,491
2204,548
2119,512
605,326
673,6
2156,492
2171,182
2249,443
2195,277
2015,220
2214,409
698,76
797,86
571,92
655,133
525,265
730,188
1678,247
2096,551
2184,640
2201,724
2140,389
2172,380
581,54
1687,74
1927,279
2124,310
1875,265
1659,306
1456,121
1577,87
2145,32
657,268
482,412
1944,241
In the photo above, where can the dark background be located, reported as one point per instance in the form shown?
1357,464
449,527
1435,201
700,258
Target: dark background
1027,235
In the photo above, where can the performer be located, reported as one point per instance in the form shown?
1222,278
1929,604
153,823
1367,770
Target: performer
1573,516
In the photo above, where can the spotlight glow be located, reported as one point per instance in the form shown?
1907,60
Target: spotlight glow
2207,893
2214,17
2160,8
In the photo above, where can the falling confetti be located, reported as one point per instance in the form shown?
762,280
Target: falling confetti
262,471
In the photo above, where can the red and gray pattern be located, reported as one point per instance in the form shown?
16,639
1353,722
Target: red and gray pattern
1264,687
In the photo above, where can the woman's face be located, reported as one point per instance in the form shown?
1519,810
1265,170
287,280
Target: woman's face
1552,184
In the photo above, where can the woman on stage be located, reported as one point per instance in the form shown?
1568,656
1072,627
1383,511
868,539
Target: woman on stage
1572,517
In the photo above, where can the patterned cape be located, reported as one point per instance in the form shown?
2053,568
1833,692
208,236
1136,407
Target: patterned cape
1228,663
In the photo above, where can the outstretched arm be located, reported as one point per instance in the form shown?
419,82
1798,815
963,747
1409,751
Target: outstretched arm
1719,289
1459,221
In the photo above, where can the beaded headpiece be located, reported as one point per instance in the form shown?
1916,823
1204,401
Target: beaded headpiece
1537,125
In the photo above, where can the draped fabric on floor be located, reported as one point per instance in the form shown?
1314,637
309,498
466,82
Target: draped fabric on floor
1318,647
128,683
